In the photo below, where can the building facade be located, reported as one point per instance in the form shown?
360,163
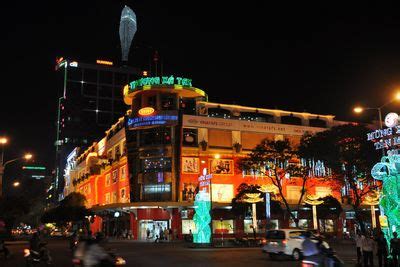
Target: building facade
89,101
144,174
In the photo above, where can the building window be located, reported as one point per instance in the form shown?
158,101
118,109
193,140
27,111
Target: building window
156,165
293,193
114,197
219,113
317,123
117,151
223,226
114,176
189,137
168,102
122,173
157,192
108,179
107,198
291,120
188,226
123,195
254,116
220,138
109,154
158,136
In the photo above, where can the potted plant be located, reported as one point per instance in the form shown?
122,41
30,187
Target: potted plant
237,147
203,145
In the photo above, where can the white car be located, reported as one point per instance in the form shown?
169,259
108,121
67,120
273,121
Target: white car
287,242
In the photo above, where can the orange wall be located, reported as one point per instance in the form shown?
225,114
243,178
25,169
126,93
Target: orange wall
98,184
237,178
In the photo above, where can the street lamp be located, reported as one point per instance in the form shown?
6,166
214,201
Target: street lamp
360,109
372,199
268,189
16,184
253,198
4,164
313,200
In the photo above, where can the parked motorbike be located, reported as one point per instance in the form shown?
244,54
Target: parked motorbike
41,257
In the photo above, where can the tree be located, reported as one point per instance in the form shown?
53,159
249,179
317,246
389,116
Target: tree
345,150
11,209
71,209
277,161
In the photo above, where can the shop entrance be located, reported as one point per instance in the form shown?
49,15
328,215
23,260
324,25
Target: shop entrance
149,229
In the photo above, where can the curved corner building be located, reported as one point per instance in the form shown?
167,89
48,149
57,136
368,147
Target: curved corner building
127,30
146,171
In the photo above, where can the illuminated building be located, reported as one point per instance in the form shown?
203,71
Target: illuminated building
89,101
172,143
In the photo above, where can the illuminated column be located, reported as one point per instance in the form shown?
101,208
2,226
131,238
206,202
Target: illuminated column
313,200
253,198
268,189
372,199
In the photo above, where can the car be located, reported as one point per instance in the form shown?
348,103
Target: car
288,242
284,242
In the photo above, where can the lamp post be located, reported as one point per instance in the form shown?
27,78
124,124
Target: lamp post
268,189
313,200
253,198
3,165
372,199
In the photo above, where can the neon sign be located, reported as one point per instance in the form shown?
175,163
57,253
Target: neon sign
152,120
146,111
166,80
386,137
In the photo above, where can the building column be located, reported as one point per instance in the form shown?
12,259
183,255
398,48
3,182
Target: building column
133,225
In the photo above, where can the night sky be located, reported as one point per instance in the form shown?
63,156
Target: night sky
316,58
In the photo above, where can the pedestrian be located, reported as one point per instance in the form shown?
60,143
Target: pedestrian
359,237
367,246
130,235
166,233
395,249
170,234
382,249
148,233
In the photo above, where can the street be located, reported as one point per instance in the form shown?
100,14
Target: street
173,254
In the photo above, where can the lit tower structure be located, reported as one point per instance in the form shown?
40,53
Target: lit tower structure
127,30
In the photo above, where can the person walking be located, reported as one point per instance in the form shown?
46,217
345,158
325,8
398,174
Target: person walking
359,237
382,249
395,249
367,246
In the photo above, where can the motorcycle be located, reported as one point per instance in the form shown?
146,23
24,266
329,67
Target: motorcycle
33,257
327,258
112,260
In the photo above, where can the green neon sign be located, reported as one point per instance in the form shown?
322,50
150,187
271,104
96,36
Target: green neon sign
33,168
166,80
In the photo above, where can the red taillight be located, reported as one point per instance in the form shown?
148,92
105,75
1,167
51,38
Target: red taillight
284,242
76,261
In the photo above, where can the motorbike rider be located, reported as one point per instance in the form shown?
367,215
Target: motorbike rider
311,250
91,253
4,249
34,242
